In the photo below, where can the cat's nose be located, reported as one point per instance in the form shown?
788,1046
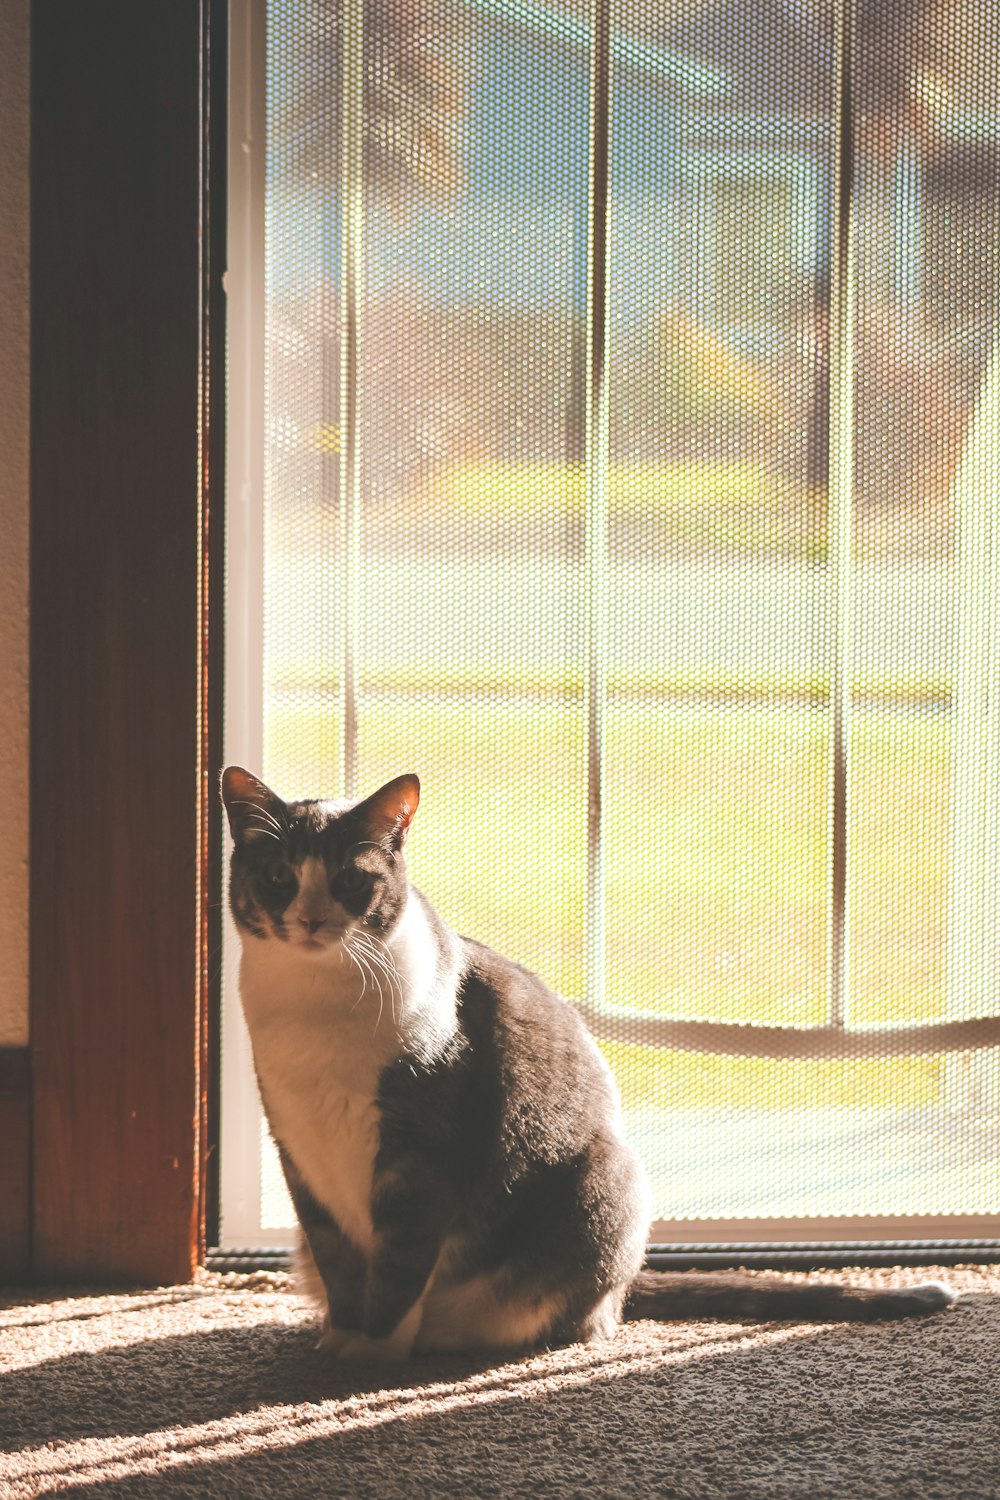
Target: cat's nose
312,924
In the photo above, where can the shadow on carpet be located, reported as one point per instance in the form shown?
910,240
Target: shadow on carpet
216,1389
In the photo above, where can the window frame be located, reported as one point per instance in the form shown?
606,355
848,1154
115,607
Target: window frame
834,1038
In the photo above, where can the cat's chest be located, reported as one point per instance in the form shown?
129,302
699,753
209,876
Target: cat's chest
319,1072
331,1132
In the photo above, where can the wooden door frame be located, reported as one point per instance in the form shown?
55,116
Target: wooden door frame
127,385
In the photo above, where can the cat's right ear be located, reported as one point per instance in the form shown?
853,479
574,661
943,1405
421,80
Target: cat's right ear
254,810
389,811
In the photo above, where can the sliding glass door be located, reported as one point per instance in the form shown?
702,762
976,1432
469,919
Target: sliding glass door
614,412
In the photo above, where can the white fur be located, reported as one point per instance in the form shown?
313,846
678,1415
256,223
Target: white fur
323,1027
398,1345
474,1315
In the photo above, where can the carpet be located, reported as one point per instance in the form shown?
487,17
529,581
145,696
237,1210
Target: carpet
214,1389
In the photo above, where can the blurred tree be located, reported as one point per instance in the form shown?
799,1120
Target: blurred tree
415,98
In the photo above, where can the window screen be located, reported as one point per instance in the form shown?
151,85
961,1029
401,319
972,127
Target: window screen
615,399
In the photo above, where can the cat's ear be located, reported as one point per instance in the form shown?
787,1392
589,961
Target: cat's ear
389,811
254,810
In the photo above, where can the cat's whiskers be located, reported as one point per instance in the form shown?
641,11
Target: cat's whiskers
379,965
381,957
262,832
382,961
366,964
346,948
373,967
259,812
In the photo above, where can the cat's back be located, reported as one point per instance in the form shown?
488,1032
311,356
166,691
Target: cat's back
555,1087
520,1082
526,1126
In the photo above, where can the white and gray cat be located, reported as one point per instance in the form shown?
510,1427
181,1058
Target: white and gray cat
448,1129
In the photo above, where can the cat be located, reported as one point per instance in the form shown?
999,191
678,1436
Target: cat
449,1131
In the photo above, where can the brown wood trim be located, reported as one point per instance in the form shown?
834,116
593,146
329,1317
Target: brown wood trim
119,695
15,1177
215,214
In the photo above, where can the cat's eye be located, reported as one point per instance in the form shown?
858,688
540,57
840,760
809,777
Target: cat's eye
279,876
350,881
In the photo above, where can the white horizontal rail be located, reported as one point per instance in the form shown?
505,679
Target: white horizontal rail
729,1039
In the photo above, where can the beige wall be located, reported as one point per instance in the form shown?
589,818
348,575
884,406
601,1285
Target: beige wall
13,522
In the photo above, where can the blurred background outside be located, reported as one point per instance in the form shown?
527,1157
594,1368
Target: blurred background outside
721,604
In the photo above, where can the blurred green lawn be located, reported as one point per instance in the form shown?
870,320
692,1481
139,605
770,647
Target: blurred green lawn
716,791
716,859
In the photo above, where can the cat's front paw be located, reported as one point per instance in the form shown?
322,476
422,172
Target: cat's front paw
332,1340
361,1349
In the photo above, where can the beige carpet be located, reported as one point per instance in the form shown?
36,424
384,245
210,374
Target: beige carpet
215,1390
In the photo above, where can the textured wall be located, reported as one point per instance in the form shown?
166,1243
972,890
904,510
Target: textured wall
14,521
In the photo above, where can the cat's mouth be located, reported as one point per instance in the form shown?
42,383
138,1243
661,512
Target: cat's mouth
324,939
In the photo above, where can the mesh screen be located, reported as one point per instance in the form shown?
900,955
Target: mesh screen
774,656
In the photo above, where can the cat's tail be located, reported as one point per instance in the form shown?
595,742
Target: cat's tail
665,1295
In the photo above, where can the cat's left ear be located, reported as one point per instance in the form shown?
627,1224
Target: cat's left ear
254,810
389,811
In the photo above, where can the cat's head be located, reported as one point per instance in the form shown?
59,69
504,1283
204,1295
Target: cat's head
308,873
